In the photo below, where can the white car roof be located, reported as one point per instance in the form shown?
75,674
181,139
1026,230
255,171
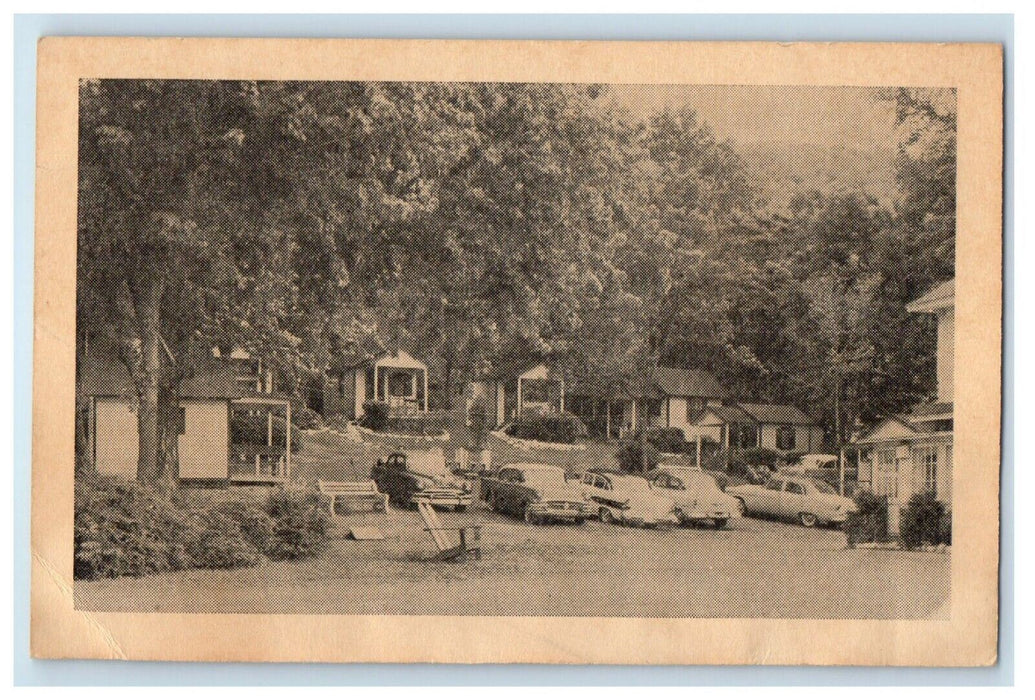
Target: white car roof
532,467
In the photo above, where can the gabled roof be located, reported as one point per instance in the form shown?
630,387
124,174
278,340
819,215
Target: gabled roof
725,414
776,414
106,376
942,296
682,381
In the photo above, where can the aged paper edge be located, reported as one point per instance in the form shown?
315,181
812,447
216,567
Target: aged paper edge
968,638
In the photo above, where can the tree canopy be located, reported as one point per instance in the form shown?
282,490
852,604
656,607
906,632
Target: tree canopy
477,223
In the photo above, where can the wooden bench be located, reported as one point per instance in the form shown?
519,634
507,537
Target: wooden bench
452,542
365,491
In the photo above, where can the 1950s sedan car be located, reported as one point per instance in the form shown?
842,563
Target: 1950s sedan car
628,499
697,496
537,492
409,477
808,501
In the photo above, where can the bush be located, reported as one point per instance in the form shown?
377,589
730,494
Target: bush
221,544
375,415
254,523
761,456
300,524
548,427
870,521
123,528
305,418
923,522
253,430
671,440
637,455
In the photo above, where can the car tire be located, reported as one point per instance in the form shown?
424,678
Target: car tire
606,516
720,523
807,519
530,518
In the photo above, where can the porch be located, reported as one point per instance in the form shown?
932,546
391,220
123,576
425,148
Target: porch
260,440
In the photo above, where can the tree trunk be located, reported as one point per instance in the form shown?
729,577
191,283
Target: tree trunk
148,380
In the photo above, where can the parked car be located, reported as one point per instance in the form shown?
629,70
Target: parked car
409,477
628,499
808,501
537,492
696,494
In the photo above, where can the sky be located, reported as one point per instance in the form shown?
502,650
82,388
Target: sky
790,114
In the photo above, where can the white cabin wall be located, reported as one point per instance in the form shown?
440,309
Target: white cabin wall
204,444
115,437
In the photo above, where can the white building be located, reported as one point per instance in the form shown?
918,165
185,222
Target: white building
910,453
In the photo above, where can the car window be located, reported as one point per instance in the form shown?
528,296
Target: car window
795,488
774,485
587,479
603,483
823,487
674,483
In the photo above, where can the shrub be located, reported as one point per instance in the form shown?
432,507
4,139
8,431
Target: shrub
254,523
247,429
548,427
305,418
123,528
870,521
637,455
221,544
670,440
761,456
922,522
375,415
300,524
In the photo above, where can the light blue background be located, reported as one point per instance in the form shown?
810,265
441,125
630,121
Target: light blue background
29,28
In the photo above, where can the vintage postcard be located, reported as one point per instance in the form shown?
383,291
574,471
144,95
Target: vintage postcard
555,352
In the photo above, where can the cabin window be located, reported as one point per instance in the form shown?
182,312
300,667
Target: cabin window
743,436
181,420
785,437
694,409
925,474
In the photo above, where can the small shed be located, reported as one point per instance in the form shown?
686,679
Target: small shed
206,403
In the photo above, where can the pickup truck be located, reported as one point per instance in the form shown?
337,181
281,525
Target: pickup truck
409,477
538,493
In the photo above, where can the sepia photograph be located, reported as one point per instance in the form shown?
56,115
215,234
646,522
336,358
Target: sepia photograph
514,349
517,352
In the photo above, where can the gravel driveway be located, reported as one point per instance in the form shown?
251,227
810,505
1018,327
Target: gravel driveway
755,568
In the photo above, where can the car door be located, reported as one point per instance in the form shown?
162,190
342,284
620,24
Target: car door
769,497
793,500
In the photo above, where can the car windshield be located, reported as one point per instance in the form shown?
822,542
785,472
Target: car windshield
823,487
553,478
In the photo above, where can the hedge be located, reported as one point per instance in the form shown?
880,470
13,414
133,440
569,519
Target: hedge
377,416
123,528
637,455
563,428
